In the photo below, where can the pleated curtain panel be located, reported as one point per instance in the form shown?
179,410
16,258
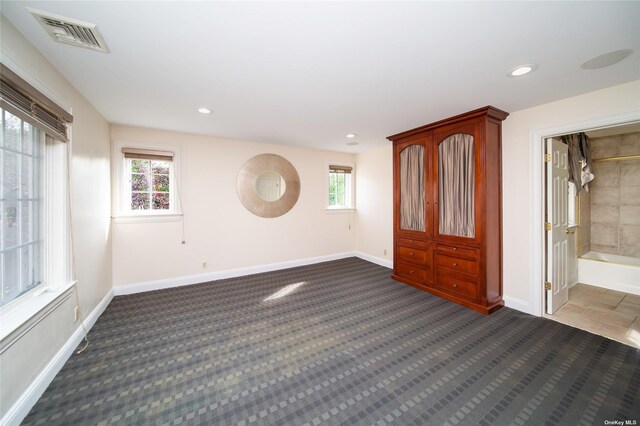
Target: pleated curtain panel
455,186
412,209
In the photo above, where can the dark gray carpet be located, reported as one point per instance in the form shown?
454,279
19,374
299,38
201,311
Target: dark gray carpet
349,346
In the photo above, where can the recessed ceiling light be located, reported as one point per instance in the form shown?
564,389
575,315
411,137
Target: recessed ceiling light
204,110
351,135
606,59
521,70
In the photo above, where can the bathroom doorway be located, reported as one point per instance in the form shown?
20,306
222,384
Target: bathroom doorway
592,235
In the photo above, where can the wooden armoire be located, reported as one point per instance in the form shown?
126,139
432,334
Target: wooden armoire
448,208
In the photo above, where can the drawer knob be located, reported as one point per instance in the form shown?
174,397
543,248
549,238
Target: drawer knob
455,248
411,254
410,272
455,264
455,285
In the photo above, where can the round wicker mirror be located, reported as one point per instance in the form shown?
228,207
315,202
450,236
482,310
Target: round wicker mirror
250,181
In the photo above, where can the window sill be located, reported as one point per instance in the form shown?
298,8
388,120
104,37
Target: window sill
25,314
148,218
339,210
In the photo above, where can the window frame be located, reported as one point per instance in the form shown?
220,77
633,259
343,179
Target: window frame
350,190
122,191
55,233
18,314
38,186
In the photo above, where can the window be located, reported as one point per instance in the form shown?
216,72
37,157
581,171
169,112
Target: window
147,182
22,207
34,215
340,194
150,184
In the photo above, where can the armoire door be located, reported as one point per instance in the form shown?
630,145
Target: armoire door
456,185
413,212
448,233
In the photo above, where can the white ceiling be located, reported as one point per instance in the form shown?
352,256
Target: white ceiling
308,73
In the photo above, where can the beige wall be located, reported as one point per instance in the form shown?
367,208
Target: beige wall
374,200
218,229
91,206
615,196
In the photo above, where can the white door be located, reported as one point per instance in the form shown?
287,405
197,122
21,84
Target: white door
268,189
557,226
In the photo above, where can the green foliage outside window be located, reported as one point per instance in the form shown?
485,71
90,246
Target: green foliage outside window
150,184
337,189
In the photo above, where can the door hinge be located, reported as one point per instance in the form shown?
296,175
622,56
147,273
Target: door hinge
547,158
547,226
547,285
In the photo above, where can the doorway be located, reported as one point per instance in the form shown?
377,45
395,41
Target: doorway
578,225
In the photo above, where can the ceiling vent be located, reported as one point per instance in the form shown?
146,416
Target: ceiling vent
70,31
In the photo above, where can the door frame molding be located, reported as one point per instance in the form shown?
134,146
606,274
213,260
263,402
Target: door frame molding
536,231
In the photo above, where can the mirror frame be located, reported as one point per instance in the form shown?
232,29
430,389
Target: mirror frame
246,185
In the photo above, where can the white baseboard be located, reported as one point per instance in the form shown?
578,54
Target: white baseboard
219,275
373,259
517,304
28,399
95,314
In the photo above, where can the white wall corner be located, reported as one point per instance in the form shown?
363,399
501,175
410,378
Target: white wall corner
373,259
517,304
32,394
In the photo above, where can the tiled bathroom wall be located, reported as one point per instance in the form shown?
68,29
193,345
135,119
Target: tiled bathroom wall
615,197
585,222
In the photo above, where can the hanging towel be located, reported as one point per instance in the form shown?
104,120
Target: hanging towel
575,168
586,162
580,162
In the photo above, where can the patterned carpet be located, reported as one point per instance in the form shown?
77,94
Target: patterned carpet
347,345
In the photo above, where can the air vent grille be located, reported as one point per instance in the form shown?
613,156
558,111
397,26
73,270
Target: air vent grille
71,31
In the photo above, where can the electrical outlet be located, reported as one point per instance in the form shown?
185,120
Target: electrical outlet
385,252
76,313
204,264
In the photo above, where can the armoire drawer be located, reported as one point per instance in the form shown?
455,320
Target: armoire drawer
411,254
412,272
456,285
408,242
469,266
458,251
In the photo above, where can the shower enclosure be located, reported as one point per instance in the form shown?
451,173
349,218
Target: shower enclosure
609,215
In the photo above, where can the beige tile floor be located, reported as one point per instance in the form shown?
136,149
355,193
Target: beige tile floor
609,313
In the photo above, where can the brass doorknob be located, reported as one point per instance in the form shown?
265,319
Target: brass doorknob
569,231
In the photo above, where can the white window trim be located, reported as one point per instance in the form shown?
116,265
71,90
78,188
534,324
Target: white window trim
120,213
339,209
57,250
